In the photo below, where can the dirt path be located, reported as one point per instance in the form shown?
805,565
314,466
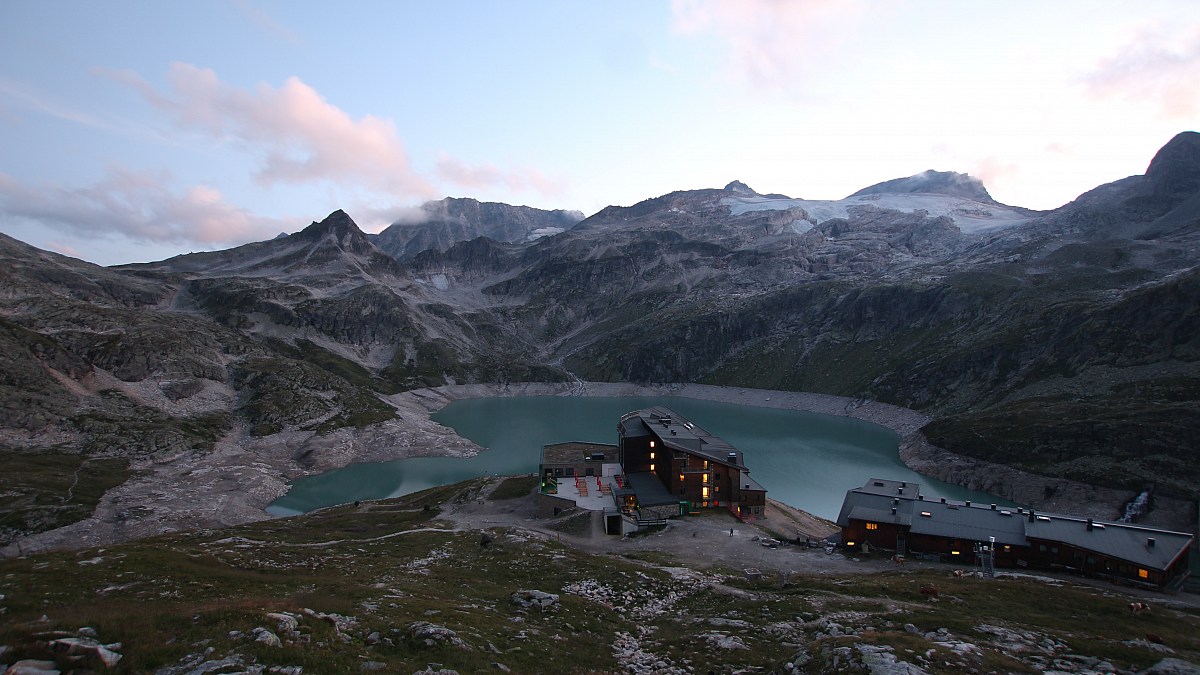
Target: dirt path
700,542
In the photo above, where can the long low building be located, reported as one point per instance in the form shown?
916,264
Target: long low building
895,516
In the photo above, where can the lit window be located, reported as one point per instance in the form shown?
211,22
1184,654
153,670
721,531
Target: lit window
705,478
849,543
1143,574
680,478
651,467
872,526
651,455
704,493
955,553
652,444
706,463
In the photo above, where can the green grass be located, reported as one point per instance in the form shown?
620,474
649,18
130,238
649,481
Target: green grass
45,490
515,487
390,563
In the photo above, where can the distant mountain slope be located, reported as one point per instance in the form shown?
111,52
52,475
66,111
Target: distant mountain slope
1064,342
449,221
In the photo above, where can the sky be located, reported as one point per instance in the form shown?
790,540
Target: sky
134,131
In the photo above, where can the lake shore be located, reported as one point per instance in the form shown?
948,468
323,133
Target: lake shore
236,481
1045,493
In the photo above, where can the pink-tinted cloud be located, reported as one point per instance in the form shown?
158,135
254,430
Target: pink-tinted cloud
486,177
771,43
140,206
992,171
1156,66
266,22
301,137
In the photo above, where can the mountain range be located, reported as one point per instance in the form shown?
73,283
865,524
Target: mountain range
1060,342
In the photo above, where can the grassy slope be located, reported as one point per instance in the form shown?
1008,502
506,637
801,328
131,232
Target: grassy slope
389,564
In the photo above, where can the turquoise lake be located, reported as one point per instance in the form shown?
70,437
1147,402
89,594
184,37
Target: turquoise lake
806,460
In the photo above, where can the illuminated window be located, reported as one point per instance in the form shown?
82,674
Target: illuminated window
651,467
705,478
652,444
849,543
680,478
652,455
706,463
704,492
955,553
1143,574
872,526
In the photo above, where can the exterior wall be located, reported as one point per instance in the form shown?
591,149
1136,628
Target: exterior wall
635,453
1040,554
581,467
751,502
882,535
549,506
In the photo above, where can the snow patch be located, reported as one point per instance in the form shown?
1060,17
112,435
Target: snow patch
970,216
543,232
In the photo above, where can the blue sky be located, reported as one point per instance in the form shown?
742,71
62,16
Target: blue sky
132,131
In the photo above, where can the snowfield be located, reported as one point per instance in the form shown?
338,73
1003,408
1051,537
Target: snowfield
970,216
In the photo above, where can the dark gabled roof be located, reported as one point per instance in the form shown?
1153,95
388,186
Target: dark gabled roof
962,520
748,483
1115,540
678,433
649,489
970,523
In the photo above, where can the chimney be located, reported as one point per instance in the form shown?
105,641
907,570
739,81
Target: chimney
1149,542
900,489
943,500
1032,515
893,510
993,507
1090,523
967,503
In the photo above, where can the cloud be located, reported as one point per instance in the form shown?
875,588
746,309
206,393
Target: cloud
1157,66
265,22
28,98
771,43
486,176
300,136
137,205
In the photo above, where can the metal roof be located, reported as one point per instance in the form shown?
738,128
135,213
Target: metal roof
1115,540
974,522
678,433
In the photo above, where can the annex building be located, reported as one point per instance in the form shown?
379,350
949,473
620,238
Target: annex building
895,516
662,465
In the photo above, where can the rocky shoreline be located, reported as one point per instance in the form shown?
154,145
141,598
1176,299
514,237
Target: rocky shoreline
242,475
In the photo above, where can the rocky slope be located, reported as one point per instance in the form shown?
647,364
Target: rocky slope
441,224
1063,343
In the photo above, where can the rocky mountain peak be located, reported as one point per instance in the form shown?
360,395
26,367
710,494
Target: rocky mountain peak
738,187
949,183
1175,168
340,227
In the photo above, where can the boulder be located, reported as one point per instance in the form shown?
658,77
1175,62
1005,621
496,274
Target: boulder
533,598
